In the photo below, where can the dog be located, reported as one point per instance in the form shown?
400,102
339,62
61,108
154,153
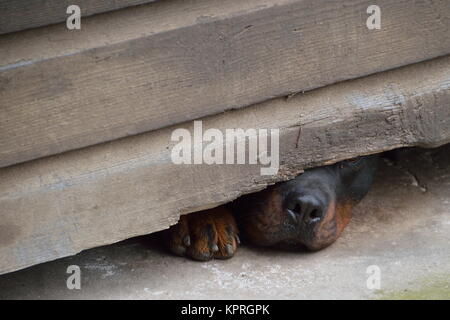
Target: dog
309,212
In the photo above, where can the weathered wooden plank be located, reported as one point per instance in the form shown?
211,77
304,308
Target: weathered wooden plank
16,15
139,70
57,206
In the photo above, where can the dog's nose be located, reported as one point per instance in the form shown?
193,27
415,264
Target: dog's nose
306,208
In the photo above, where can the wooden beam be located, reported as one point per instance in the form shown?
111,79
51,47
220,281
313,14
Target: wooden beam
60,205
16,15
131,71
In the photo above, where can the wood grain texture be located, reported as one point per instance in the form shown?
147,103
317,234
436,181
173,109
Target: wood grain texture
16,15
60,205
121,77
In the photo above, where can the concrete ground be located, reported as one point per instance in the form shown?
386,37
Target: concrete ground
402,227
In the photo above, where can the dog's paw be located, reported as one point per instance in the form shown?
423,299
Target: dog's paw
204,235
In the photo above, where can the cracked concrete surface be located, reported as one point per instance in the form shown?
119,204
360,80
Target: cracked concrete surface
402,226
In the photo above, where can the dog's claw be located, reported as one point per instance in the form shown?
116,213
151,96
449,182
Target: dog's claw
229,249
187,241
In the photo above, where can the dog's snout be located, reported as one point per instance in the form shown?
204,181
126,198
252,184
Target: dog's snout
306,208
